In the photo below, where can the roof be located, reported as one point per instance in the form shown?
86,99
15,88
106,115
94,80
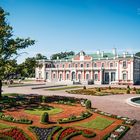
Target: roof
96,56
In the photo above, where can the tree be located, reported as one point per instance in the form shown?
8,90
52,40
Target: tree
27,68
39,56
61,55
138,54
9,46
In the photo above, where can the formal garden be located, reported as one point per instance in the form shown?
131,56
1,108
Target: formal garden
30,117
102,91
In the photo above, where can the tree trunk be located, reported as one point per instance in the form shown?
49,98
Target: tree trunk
0,89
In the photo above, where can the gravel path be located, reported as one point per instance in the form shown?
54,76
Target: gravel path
115,104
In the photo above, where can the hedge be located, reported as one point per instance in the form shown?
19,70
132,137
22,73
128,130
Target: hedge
45,117
75,119
121,134
12,119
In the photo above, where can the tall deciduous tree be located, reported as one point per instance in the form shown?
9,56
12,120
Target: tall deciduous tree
61,55
9,45
138,54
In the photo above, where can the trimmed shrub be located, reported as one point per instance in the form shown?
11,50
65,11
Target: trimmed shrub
43,99
98,89
128,87
109,87
84,87
45,117
128,91
137,91
88,104
134,89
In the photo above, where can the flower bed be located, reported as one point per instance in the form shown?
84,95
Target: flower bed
74,118
10,118
15,134
50,99
125,120
117,133
88,133
44,133
102,91
64,102
69,132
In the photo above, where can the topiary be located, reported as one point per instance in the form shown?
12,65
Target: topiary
43,99
84,87
128,87
134,89
88,104
45,117
137,91
98,89
128,91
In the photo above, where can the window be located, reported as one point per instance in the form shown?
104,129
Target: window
87,65
57,66
111,64
112,76
67,76
60,77
47,75
69,65
79,76
76,65
103,65
95,65
96,77
54,76
124,64
124,76
63,65
82,65
87,76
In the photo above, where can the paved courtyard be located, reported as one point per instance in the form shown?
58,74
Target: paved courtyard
115,104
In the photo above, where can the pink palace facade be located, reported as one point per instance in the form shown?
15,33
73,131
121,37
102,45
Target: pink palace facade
99,67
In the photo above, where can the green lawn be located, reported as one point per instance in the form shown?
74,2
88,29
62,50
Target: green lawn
64,88
4,126
98,123
39,112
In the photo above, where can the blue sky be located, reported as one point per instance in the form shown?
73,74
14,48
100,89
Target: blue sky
64,25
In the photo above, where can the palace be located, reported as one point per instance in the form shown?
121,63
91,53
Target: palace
96,68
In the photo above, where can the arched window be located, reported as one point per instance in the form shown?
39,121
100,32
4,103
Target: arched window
67,76
79,76
103,65
124,76
82,65
47,75
111,64
76,65
95,65
96,77
69,65
54,76
124,64
87,76
87,65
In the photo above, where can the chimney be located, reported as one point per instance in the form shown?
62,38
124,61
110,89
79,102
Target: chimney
114,51
124,54
102,53
98,52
